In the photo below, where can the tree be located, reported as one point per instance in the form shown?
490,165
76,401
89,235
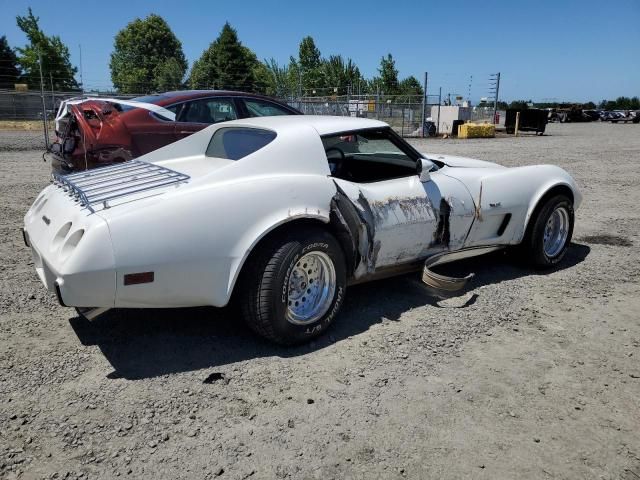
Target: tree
56,65
169,74
388,75
226,64
410,87
519,104
277,79
310,64
147,57
620,103
340,74
9,72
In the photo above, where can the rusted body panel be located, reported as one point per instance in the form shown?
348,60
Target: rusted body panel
404,220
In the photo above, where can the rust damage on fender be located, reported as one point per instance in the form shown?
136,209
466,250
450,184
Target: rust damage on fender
414,209
355,223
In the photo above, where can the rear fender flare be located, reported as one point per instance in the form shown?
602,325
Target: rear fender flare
252,239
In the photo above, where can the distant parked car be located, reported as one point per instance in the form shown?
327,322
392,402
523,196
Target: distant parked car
624,117
92,132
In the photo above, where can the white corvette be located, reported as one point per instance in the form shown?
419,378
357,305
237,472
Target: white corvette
282,213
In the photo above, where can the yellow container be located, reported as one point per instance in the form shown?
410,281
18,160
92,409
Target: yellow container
474,130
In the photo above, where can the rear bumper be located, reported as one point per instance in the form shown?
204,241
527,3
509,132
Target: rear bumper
71,250
79,289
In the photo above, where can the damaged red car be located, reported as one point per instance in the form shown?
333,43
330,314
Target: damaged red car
94,132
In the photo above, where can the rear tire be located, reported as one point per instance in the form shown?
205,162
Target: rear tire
549,233
294,286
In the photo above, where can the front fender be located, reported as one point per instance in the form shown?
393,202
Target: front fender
568,182
513,191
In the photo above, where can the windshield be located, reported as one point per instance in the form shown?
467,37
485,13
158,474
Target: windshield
371,143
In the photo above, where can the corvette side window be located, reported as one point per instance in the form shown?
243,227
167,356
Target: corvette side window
234,143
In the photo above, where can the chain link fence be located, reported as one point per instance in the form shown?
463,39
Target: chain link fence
24,113
403,113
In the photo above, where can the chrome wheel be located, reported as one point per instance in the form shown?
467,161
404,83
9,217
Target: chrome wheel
556,232
311,288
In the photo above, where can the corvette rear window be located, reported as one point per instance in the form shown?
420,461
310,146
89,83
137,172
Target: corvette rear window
234,143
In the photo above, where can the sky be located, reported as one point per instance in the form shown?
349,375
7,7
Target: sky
545,50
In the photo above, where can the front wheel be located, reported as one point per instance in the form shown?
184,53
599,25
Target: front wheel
549,233
294,286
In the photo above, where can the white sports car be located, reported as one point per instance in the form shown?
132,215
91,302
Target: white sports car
282,213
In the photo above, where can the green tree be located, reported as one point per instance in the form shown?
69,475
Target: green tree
620,103
410,87
9,72
277,79
310,64
147,57
226,64
56,65
169,74
340,74
519,104
388,75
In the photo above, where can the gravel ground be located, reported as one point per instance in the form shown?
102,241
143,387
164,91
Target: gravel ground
526,375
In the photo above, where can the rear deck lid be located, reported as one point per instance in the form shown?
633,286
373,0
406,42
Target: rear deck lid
108,186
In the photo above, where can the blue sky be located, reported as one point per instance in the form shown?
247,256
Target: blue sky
565,50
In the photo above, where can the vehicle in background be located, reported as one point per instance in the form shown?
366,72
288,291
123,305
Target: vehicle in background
93,132
623,116
570,115
594,115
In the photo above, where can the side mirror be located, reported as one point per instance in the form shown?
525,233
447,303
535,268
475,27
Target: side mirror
424,167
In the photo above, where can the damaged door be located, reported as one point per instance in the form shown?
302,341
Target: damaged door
403,220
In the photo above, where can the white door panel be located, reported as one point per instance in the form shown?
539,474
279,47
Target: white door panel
410,220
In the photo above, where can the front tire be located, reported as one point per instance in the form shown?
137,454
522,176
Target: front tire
549,233
294,286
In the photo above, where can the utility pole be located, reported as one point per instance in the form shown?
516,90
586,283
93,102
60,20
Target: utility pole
53,97
424,103
439,103
81,79
44,107
496,77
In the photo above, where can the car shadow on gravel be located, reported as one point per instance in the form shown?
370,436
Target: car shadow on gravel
148,343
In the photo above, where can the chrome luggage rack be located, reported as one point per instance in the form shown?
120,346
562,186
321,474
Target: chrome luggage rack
107,183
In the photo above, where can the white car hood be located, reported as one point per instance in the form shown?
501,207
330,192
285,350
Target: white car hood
462,162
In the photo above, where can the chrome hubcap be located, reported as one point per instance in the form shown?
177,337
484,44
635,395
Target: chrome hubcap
556,232
311,288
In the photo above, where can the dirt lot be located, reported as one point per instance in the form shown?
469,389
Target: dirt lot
526,375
